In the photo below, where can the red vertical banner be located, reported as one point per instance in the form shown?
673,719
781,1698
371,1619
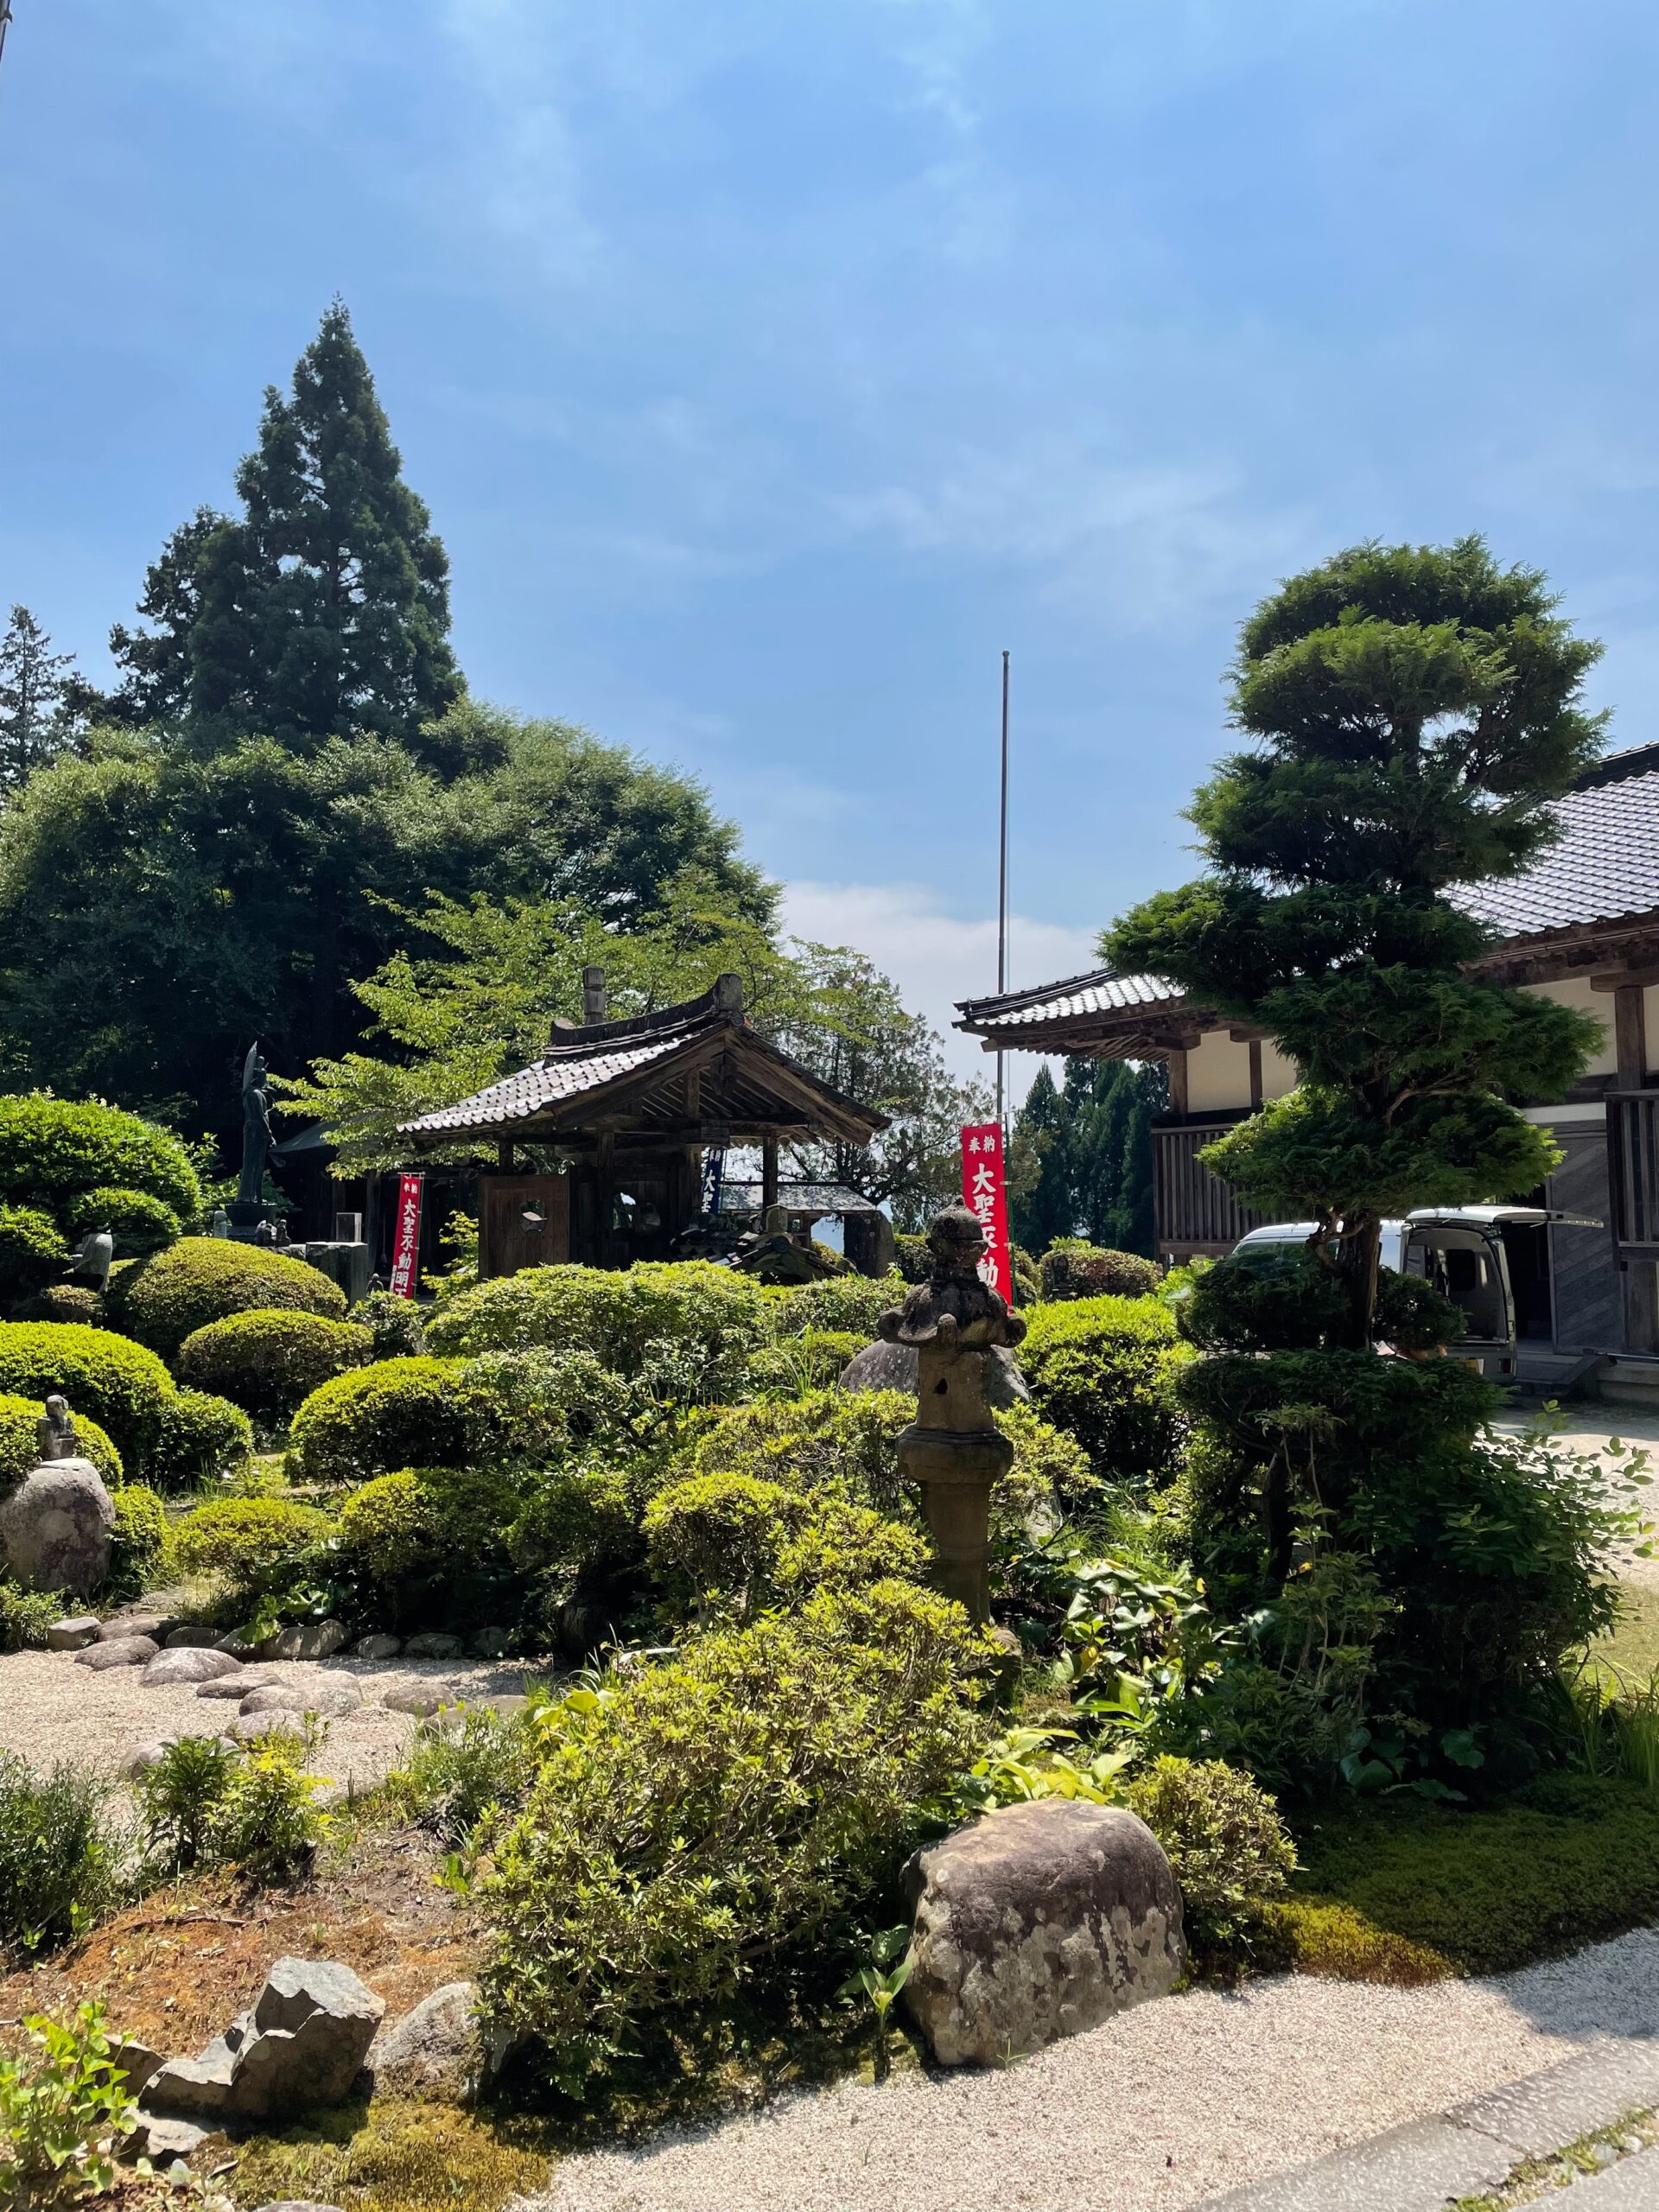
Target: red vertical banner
984,1192
406,1244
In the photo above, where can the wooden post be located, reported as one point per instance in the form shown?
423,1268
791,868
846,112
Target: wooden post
768,1173
1254,1049
604,1198
1638,1279
1177,1082
503,1155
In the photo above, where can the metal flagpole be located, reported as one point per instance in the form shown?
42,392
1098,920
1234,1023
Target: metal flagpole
1002,885
5,18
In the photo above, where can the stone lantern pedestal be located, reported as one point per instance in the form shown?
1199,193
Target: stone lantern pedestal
953,1451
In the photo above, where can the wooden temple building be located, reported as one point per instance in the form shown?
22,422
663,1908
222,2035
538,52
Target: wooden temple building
618,1116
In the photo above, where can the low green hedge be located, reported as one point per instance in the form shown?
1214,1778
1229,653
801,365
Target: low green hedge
399,1413
20,1447
1071,1268
268,1361
709,1316
854,1303
164,1299
117,1383
1104,1369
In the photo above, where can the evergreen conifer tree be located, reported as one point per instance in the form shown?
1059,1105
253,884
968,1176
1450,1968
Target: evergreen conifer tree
1413,711
157,663
1093,1139
34,725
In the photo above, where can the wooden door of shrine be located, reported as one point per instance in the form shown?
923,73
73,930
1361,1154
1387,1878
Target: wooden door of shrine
524,1221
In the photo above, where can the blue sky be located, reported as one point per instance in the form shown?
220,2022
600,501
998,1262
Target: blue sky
770,365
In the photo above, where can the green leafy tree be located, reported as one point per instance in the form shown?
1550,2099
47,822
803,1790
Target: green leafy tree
157,662
36,721
1090,1140
1413,712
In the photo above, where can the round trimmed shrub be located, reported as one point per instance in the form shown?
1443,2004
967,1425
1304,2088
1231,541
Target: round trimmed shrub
201,1439
1226,1842
711,1316
31,1250
244,1538
414,1525
63,1301
54,1149
20,1448
165,1299
140,1540
719,1532
141,1223
123,1387
850,1302
267,1361
1104,1369
397,1413
1071,1268
580,1517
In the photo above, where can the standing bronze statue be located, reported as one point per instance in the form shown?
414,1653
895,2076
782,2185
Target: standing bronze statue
256,1139
953,1451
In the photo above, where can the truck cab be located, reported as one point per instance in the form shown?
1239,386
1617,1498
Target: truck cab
1460,1249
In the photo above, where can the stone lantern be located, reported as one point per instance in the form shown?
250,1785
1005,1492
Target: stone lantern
953,1451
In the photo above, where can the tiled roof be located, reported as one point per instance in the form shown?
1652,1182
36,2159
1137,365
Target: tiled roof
1098,992
1605,869
559,1076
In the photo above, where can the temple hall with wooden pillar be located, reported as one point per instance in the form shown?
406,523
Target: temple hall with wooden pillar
626,1110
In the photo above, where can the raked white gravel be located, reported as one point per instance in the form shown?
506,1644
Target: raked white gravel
1165,2105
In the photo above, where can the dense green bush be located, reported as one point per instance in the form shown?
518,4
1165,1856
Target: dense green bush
853,1303
201,1439
117,1384
141,1223
267,1361
430,1543
717,1541
814,1360
1278,1298
707,1317
164,1299
52,1150
1228,1847
1072,1269
243,1539
58,1869
458,1776
1104,1368
713,1826
399,1413
31,1251
25,1616
62,1301
534,1405
580,1518
140,1541
20,1447
394,1324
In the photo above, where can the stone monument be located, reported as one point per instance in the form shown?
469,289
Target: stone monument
953,1451
55,1526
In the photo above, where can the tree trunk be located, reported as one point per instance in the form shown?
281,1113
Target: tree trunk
1358,1254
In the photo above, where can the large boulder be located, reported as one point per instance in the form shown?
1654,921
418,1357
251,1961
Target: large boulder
301,2047
188,1663
896,1367
55,1528
433,2051
1037,1921
123,1651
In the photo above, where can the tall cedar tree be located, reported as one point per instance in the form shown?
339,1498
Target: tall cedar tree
33,725
1413,711
324,611
1092,1139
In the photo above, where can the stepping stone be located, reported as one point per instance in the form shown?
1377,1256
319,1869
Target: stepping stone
377,1647
305,1640
249,1727
73,1634
120,1626
434,1646
327,1698
123,1651
421,1703
236,1685
192,1639
191,1665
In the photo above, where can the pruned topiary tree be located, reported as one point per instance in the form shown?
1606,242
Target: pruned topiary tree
1415,709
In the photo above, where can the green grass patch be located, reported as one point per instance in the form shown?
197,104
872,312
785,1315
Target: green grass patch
397,2156
1403,1890
1633,1648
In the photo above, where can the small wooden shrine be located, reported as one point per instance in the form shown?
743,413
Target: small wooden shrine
626,1110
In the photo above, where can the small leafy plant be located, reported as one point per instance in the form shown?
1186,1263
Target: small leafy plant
883,1974
62,2112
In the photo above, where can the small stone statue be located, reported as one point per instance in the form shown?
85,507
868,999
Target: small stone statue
55,1437
953,1451
221,1222
257,1138
90,1260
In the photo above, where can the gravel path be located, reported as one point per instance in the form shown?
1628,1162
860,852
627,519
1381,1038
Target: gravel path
1172,2102
1590,1428
52,1710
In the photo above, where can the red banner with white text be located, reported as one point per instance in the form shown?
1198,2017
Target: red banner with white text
985,1195
406,1243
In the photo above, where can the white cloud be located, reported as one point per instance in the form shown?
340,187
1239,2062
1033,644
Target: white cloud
936,958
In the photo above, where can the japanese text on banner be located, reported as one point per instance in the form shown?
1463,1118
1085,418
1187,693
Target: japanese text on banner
406,1244
985,1195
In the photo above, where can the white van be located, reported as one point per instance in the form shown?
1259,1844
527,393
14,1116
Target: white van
1460,1249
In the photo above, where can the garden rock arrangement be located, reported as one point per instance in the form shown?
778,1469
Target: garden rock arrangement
1036,1922
300,2047
56,1526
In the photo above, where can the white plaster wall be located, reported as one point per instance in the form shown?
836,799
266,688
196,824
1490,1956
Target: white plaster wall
1218,1074
1278,1074
1575,991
